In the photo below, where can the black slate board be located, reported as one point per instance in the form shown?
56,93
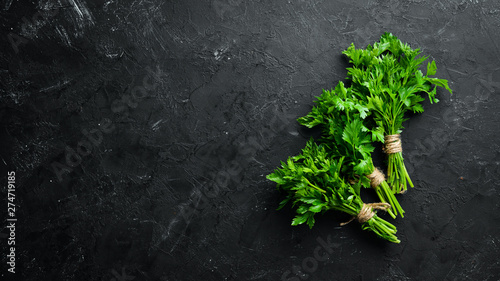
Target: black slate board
140,134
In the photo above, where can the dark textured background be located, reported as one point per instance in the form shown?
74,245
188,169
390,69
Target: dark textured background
191,103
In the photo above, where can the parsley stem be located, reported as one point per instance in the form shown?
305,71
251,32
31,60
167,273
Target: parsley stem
397,174
382,196
313,186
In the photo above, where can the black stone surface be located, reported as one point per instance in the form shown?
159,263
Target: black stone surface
140,133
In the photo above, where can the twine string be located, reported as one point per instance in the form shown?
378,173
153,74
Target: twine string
392,144
366,212
376,178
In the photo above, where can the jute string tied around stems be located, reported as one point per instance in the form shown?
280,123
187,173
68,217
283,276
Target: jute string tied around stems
376,178
392,144
366,212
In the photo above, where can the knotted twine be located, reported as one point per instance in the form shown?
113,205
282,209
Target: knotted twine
366,212
376,178
392,144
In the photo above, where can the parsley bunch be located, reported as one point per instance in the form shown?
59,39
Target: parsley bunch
385,83
341,116
314,183
387,78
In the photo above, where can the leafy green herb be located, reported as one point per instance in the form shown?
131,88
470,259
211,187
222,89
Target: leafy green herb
341,116
387,78
386,82
313,184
